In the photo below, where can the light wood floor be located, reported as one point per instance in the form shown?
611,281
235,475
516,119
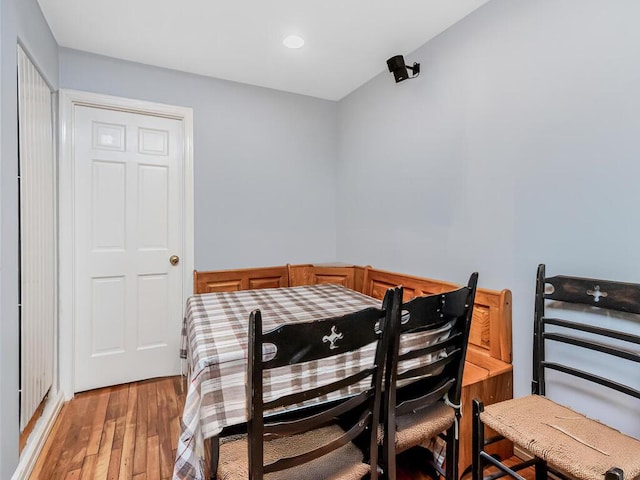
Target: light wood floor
122,432
130,432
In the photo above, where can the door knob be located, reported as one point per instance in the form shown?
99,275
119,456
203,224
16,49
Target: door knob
174,259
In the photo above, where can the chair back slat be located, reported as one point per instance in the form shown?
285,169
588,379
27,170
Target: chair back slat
433,368
595,346
305,395
295,426
438,346
423,401
332,336
605,332
576,372
289,462
620,296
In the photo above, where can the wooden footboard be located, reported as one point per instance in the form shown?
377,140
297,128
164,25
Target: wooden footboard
488,371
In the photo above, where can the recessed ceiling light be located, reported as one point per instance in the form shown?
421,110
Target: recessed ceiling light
293,41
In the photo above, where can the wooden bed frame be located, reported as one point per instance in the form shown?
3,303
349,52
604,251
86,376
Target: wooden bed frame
488,372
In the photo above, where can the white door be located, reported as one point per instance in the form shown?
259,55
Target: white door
128,183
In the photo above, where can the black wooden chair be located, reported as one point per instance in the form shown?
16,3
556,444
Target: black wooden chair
561,440
423,380
318,442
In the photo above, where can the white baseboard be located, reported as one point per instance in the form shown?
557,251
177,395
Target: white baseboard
38,437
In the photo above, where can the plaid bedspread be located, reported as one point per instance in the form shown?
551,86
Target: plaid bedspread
215,338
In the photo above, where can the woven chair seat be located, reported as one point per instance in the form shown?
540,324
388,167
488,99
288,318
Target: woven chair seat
418,428
565,439
346,463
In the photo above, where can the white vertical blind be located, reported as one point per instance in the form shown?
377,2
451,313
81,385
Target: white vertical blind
37,234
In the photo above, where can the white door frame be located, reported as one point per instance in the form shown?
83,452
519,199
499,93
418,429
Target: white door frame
69,99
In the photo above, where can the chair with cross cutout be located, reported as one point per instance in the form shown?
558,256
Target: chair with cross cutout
580,354
335,437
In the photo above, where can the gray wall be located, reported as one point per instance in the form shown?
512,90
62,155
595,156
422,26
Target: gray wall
517,145
265,161
20,20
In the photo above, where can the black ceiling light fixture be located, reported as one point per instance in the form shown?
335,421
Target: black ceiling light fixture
399,69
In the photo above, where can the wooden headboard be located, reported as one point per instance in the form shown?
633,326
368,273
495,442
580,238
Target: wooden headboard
490,339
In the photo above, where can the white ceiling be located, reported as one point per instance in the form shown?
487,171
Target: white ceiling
347,42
